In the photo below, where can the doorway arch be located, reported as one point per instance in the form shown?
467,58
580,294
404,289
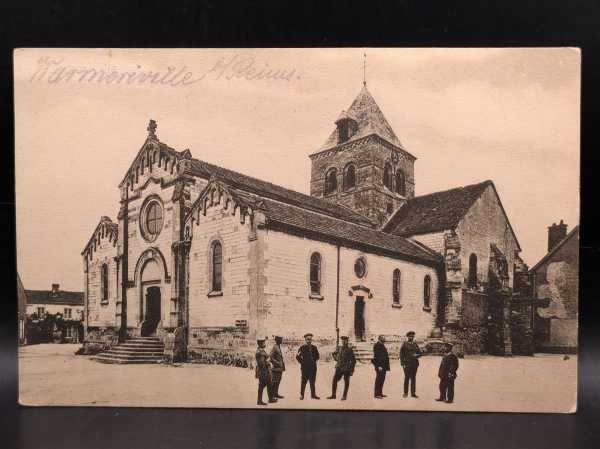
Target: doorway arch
151,276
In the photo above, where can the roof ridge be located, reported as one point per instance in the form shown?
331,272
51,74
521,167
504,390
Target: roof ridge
321,203
427,252
486,182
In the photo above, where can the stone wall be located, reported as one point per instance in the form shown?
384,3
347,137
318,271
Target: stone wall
486,223
433,240
229,306
470,333
292,312
369,155
521,325
102,314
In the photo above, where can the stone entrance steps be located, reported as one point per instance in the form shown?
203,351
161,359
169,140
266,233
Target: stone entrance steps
134,350
363,351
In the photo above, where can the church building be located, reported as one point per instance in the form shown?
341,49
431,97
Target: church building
211,258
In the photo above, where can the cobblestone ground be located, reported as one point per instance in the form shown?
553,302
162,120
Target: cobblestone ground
53,375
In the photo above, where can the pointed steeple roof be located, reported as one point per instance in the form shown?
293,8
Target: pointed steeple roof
370,120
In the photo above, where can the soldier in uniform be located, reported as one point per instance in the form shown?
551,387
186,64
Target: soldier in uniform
307,356
263,373
447,374
277,366
381,361
344,367
409,359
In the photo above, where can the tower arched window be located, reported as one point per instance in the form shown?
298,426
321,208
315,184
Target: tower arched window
400,183
315,273
217,266
472,277
396,277
330,181
350,177
427,293
387,176
104,282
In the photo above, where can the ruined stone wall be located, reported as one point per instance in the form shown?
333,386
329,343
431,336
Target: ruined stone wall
557,280
521,326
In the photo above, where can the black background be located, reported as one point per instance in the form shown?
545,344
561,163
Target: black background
287,24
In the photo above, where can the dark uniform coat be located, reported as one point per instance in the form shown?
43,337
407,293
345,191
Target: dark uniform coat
307,357
409,354
448,367
345,359
381,357
276,358
263,369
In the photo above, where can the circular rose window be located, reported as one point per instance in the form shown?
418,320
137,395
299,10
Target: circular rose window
152,220
360,267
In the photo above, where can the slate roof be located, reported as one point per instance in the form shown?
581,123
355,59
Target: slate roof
343,231
268,190
60,298
370,120
434,212
569,236
308,223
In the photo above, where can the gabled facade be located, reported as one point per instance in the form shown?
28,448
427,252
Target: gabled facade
556,285
470,228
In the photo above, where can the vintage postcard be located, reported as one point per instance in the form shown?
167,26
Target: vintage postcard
348,229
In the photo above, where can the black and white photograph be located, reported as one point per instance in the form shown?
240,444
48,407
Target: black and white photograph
298,228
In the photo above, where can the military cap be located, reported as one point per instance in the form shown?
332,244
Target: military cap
449,344
344,337
409,333
308,335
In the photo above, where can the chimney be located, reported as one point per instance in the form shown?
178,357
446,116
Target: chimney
55,288
556,233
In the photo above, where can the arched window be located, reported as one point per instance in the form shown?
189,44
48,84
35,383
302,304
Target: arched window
472,279
427,292
350,177
217,267
400,183
104,282
315,273
331,181
396,286
387,176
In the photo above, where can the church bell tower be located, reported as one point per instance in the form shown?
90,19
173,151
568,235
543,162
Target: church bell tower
363,165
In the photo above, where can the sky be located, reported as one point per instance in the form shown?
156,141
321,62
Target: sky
467,115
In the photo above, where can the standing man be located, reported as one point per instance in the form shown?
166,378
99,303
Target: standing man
381,361
277,366
447,374
307,356
344,367
409,359
263,372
